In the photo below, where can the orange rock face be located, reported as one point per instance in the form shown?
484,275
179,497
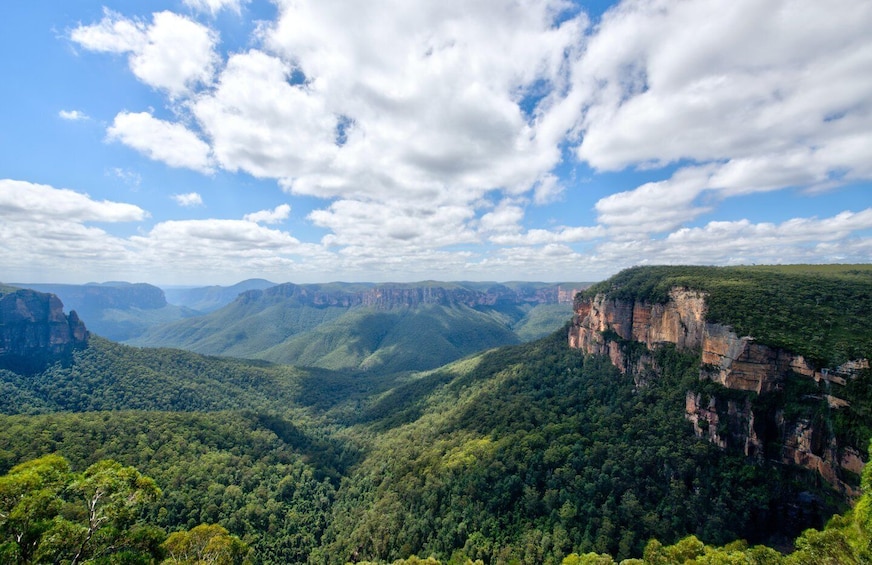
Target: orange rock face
737,363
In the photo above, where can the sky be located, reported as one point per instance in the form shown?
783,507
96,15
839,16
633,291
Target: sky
199,142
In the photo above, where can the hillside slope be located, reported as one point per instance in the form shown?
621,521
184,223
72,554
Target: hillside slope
526,452
383,328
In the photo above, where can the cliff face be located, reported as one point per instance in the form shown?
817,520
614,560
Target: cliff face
604,326
35,332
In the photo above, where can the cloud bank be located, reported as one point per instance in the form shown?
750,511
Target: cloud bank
433,133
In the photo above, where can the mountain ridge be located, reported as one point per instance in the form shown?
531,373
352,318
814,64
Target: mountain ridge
308,323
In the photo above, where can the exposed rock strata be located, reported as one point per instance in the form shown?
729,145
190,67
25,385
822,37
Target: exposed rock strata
386,297
35,332
604,326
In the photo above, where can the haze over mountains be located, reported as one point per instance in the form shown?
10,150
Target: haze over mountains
116,310
358,326
208,298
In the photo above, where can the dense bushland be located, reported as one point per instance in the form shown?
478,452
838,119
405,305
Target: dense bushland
533,453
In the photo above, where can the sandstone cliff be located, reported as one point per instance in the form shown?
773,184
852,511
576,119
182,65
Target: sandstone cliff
615,328
35,332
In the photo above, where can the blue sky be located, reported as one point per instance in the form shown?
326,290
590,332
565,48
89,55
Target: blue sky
210,141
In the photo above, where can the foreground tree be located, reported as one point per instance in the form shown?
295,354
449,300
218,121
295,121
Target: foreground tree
50,515
206,544
29,502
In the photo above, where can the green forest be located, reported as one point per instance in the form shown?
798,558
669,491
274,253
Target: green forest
532,453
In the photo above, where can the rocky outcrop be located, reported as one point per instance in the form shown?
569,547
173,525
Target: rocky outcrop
735,362
35,332
605,326
600,325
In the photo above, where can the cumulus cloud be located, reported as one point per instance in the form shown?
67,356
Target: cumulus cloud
396,227
433,94
234,236
221,247
72,115
22,201
274,216
260,123
552,261
160,140
799,240
563,234
188,199
655,206
44,227
506,217
429,128
173,53
662,82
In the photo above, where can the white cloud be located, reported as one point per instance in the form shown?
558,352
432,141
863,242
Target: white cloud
174,53
235,236
72,115
189,199
506,217
563,234
215,6
552,261
274,216
398,227
222,248
547,189
754,87
799,240
655,206
261,124
22,201
169,142
399,102
114,34
44,228
433,92
412,120
400,105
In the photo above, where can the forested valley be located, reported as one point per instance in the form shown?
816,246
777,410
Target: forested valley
532,453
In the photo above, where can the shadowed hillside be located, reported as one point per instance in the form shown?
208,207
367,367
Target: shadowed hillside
384,328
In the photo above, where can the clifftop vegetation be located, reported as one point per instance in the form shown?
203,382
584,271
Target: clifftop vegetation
818,311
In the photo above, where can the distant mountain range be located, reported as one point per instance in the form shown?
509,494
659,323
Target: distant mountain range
210,298
385,327
356,326
116,310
